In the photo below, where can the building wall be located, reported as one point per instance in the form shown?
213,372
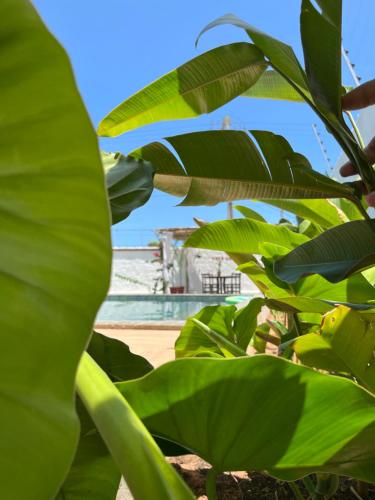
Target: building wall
140,270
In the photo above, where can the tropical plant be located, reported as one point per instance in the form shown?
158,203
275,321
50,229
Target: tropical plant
334,237
248,412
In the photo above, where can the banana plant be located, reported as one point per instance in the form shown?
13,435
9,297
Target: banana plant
281,77
55,270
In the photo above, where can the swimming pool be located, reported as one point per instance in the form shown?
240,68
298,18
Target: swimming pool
124,308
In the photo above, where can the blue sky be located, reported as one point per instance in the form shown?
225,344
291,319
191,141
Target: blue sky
119,46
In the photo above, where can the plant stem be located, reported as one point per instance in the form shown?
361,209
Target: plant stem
356,129
365,170
211,485
129,442
221,341
297,324
296,491
309,485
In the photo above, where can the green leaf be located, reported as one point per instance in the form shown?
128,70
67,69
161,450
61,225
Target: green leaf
323,59
199,86
242,236
116,359
346,344
350,210
228,348
335,254
303,432
129,184
55,253
193,342
132,447
280,55
208,176
245,321
298,304
323,68
93,474
271,85
355,289
265,281
324,100
249,213
321,212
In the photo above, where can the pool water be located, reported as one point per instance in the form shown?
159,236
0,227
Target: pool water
123,308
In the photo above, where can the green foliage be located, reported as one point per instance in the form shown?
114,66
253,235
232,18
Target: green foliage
346,344
129,184
208,176
54,221
199,86
242,236
228,324
127,439
116,359
260,413
335,254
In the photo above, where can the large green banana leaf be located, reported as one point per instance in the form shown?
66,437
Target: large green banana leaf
226,165
94,475
129,184
191,401
346,344
242,236
322,212
132,447
116,359
249,213
55,253
313,87
335,254
198,86
271,85
280,55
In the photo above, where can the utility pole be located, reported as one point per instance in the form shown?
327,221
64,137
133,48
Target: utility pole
226,125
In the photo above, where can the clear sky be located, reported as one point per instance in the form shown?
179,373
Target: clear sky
119,46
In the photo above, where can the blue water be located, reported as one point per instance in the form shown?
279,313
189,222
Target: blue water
154,307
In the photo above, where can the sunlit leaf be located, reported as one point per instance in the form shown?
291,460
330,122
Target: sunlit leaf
335,254
346,343
197,87
297,437
207,175
55,253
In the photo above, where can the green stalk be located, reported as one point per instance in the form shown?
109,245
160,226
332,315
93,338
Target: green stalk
356,130
211,485
366,171
309,485
132,447
296,491
220,340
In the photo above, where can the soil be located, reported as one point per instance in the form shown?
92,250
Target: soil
251,485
